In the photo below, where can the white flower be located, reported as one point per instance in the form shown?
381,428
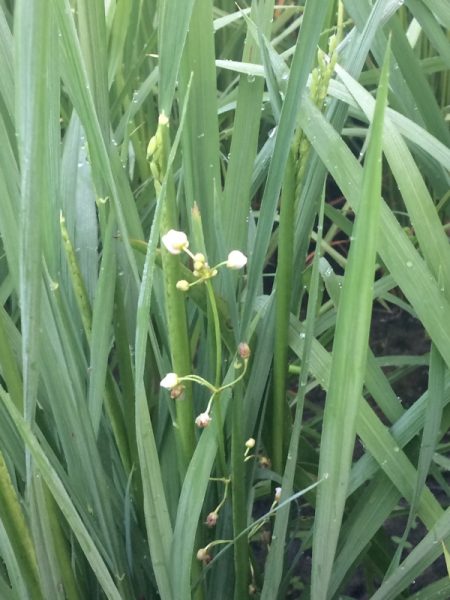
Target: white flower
203,420
175,241
250,443
170,381
236,260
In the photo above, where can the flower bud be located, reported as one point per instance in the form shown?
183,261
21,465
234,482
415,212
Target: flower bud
203,555
277,494
203,420
250,443
236,260
183,285
244,350
169,381
264,462
211,519
177,391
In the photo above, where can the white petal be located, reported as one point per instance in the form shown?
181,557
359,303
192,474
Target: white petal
236,260
169,381
175,241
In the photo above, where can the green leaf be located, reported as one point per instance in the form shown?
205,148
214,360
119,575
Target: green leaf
347,376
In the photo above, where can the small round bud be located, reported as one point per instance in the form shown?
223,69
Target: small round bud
177,391
203,420
200,257
183,285
244,350
211,519
250,443
169,381
203,555
264,462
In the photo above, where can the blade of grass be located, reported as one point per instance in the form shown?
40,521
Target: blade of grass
313,19
274,565
426,552
236,203
6,65
173,28
430,437
419,204
18,533
92,32
347,377
395,249
35,92
106,166
63,500
200,140
52,549
101,325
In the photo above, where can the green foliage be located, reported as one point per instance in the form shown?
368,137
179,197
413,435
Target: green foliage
311,139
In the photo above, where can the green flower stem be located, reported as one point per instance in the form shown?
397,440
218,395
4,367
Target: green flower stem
239,504
282,311
200,381
218,374
215,390
196,294
217,333
175,303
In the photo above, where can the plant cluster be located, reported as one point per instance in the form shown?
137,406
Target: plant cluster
207,212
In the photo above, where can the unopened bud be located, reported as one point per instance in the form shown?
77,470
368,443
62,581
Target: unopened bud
177,391
244,350
211,519
203,555
183,285
203,420
264,462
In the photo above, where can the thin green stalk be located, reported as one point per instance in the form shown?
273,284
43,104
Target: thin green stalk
175,304
217,334
239,504
218,373
274,566
347,377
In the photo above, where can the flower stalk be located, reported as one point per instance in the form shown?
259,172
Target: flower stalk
158,152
